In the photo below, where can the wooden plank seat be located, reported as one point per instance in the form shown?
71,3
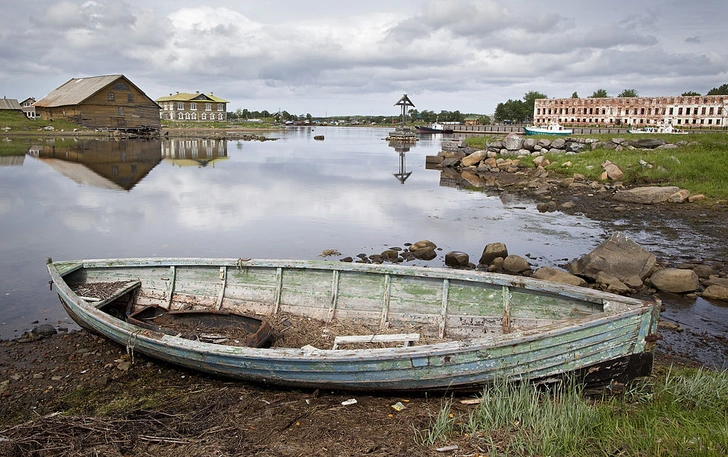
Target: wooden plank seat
114,295
407,338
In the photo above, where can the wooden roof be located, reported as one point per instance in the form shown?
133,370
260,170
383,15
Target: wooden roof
10,103
76,90
405,101
187,97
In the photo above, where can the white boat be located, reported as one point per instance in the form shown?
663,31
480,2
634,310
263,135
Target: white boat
665,127
435,127
553,128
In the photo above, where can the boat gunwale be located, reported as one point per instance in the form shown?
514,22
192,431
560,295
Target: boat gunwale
371,354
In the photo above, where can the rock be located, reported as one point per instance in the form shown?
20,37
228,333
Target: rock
646,195
560,276
515,264
619,256
716,292
613,171
696,197
647,143
457,259
318,137
422,244
513,142
680,196
474,158
704,271
675,280
44,330
473,179
493,251
426,253
558,143
717,281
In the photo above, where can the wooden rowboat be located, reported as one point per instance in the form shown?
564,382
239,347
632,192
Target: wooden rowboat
453,329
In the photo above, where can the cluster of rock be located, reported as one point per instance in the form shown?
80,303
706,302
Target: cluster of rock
619,265
500,166
515,144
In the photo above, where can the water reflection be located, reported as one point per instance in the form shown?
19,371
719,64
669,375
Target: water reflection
115,165
401,148
194,152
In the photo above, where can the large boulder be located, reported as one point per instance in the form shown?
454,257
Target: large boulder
457,259
493,251
474,158
515,264
619,256
675,280
646,195
647,143
560,276
513,142
716,292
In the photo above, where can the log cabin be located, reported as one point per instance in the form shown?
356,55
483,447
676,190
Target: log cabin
110,102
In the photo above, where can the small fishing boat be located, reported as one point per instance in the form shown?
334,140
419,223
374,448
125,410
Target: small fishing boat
435,127
373,327
553,128
665,127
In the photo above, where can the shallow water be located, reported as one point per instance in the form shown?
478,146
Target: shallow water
290,198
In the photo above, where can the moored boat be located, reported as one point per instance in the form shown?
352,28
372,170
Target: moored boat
552,128
401,328
435,127
665,127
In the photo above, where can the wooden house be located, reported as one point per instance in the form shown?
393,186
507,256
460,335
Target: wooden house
195,107
10,104
101,102
28,107
472,120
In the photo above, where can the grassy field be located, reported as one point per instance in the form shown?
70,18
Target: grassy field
679,413
701,166
15,122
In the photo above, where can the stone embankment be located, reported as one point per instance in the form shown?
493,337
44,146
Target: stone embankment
500,166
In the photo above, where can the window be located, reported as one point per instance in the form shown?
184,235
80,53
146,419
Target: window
180,105
194,116
187,116
710,112
219,117
111,96
208,106
130,98
180,116
204,116
221,107
193,106
121,111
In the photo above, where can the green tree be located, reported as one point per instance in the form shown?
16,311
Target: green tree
515,110
628,93
574,95
529,99
722,90
689,93
599,93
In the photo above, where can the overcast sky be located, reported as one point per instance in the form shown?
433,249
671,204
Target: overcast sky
340,57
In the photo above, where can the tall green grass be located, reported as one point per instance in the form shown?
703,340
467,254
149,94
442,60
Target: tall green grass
682,413
700,166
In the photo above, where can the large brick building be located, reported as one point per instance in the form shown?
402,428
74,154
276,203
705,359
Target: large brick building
706,111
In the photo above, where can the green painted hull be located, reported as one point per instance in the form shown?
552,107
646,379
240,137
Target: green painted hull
485,326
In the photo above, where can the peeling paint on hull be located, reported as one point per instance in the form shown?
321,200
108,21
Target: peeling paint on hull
552,329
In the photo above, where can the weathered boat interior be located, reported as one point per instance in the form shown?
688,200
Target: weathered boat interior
344,305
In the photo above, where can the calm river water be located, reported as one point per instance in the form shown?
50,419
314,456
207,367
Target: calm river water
290,198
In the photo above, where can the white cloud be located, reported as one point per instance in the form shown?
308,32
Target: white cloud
345,58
